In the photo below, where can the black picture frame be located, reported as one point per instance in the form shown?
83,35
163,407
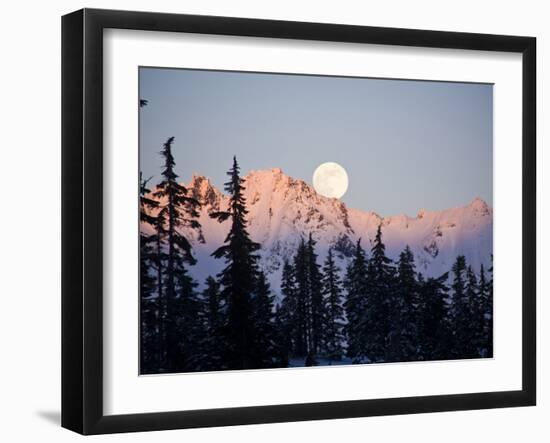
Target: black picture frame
82,232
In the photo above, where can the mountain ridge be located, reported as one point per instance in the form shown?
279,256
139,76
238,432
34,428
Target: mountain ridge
283,209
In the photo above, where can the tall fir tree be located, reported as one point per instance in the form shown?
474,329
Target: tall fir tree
355,305
178,210
212,316
286,316
405,306
265,348
332,292
283,340
239,277
149,310
475,302
463,291
303,303
160,257
301,318
381,339
433,327
459,308
488,309
188,328
317,309
485,318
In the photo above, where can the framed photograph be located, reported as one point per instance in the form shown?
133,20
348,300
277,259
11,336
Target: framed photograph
269,221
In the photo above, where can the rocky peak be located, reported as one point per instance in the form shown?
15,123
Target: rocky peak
479,207
202,189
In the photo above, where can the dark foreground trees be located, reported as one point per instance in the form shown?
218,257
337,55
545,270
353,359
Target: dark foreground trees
396,314
173,303
244,289
334,311
377,310
392,312
231,324
357,289
148,301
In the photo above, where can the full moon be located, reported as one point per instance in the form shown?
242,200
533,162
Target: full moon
330,180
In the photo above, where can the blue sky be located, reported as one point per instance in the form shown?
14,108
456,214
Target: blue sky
405,144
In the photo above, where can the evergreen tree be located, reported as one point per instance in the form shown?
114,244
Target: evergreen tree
302,287
316,304
434,334
332,291
301,323
476,314
356,285
286,316
265,351
488,309
283,342
486,313
160,257
188,327
461,310
239,277
178,211
149,302
381,340
212,316
406,303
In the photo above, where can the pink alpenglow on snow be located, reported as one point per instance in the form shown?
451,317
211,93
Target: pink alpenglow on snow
282,210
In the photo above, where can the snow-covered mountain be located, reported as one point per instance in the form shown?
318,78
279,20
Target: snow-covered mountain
282,210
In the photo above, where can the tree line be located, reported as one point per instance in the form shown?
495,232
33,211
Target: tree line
380,311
